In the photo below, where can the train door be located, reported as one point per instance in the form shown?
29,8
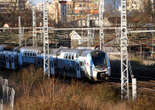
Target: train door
7,62
89,66
20,59
108,65
52,67
13,61
78,71
1,60
39,61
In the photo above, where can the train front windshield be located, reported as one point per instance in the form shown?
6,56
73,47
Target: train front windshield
99,58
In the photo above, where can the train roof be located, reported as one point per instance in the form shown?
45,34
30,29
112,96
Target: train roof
79,52
30,49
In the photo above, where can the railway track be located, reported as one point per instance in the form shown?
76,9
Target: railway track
144,83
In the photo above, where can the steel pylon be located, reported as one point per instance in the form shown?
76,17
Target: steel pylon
124,53
45,38
34,27
101,31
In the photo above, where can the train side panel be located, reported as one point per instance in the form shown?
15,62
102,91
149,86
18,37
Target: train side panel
67,67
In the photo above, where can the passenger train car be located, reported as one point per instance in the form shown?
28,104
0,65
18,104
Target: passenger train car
93,64
78,63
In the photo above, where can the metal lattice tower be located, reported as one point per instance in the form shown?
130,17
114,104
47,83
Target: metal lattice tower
101,10
45,38
19,31
34,27
124,52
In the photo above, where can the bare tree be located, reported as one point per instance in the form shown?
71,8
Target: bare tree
9,14
148,8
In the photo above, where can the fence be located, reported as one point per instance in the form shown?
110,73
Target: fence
7,95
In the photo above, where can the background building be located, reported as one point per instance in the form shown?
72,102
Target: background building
135,5
71,10
6,6
139,5
81,8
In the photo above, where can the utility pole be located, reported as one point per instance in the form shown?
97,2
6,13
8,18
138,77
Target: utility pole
89,35
45,40
101,10
19,32
34,27
124,53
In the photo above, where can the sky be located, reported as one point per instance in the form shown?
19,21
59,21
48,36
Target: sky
38,1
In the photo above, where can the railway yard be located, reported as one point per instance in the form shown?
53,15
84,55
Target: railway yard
67,56
142,67
69,91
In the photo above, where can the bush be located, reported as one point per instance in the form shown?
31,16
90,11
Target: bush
35,92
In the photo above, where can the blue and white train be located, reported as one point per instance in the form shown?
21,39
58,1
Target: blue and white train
78,63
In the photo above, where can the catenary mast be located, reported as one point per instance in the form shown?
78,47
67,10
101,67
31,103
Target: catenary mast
124,53
45,38
101,10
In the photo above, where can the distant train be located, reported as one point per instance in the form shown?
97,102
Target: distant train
77,63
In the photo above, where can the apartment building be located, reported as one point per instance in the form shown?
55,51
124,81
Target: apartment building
81,8
135,5
7,6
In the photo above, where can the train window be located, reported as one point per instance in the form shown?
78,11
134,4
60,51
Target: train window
72,57
76,56
81,63
34,54
12,59
69,57
99,58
